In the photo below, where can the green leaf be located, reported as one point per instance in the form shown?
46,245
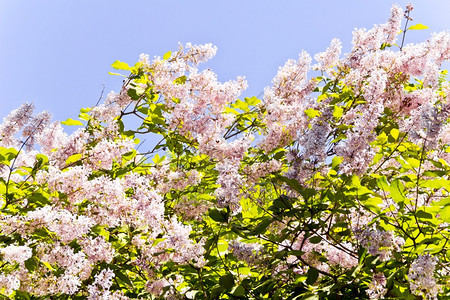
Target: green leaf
48,265
418,27
84,116
43,159
129,155
312,113
262,226
136,92
382,183
308,296
180,80
216,292
382,138
336,161
238,291
227,281
217,216
38,198
252,101
116,74
424,215
291,182
143,109
157,159
72,122
337,112
21,295
167,55
396,191
282,202
394,133
222,247
244,270
31,264
436,183
118,65
241,105
435,173
445,214
123,277
2,188
313,274
315,239
73,158
307,193
41,233
373,204
157,241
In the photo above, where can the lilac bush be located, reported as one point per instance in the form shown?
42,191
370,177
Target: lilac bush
333,185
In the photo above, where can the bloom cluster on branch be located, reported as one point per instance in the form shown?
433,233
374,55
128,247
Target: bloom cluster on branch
334,185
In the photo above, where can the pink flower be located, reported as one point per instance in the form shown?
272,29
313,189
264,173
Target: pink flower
16,254
14,122
377,287
421,277
330,57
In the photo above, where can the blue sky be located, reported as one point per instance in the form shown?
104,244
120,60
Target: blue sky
57,54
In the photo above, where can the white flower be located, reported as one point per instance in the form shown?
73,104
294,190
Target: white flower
421,279
16,254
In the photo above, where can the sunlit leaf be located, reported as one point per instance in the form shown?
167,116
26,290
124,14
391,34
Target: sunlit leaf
72,122
417,27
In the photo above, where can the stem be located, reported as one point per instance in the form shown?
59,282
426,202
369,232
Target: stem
405,29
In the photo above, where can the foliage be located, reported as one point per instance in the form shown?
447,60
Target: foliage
332,186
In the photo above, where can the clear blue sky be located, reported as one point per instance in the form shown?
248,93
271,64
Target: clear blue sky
57,54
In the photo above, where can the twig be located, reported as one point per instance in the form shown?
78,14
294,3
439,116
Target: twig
101,95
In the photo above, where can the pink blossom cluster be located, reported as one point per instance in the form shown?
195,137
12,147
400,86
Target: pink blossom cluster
249,253
421,277
196,105
156,288
192,209
300,168
166,179
328,59
81,195
9,283
377,287
100,289
379,242
196,100
230,181
106,152
325,254
13,123
97,249
376,75
285,103
16,254
93,201
258,170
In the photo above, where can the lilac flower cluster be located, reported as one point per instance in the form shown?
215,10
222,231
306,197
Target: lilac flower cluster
379,243
89,201
247,252
95,203
421,277
375,74
16,254
377,287
324,255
